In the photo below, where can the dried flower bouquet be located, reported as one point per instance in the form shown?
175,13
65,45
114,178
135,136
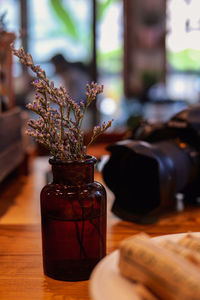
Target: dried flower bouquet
59,129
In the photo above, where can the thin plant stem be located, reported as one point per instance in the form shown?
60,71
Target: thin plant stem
61,135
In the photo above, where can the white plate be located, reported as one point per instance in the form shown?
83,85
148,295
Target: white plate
106,283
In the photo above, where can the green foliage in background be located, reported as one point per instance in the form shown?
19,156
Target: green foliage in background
66,18
111,60
70,26
188,59
103,6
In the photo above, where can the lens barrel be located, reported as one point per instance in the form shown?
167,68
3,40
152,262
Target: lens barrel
145,177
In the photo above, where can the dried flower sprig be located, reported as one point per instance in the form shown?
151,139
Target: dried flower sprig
59,129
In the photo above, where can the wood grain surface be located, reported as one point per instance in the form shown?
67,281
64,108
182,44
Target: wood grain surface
21,273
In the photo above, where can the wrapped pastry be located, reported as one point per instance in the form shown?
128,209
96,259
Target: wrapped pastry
168,275
192,255
190,241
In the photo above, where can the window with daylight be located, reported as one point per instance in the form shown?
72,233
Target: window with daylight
65,27
183,50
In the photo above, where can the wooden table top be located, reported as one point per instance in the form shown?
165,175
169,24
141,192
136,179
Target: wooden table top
21,273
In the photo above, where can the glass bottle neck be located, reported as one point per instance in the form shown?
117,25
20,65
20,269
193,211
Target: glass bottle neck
73,173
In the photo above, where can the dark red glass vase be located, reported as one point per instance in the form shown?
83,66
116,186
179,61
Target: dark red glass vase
73,211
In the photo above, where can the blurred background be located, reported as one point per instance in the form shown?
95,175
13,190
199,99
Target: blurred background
142,52
145,53
88,34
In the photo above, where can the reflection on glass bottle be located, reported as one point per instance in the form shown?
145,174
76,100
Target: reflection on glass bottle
3,92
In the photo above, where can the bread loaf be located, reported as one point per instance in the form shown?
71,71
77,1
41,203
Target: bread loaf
143,292
166,274
188,253
190,241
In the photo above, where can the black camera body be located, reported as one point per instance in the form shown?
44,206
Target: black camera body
161,160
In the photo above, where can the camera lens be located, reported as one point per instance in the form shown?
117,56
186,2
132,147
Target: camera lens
144,176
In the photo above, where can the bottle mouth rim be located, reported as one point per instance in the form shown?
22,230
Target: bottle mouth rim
89,159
